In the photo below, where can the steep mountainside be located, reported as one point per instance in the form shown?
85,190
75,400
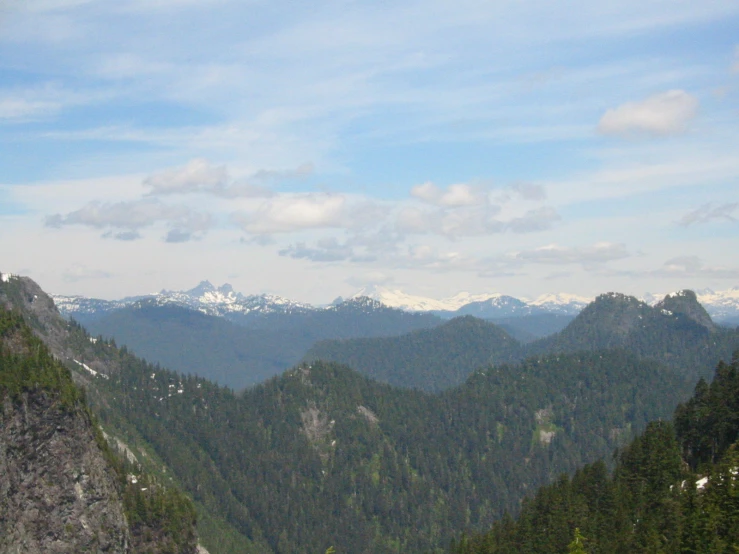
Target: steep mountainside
241,355
322,456
62,488
430,359
685,303
673,490
683,337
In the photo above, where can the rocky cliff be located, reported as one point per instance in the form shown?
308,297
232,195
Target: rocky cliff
57,491
62,488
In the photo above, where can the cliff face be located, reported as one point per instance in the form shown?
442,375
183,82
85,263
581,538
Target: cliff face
57,492
62,489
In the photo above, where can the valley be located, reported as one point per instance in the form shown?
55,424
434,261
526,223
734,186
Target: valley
384,444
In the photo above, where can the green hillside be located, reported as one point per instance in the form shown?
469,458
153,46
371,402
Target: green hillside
241,355
674,489
430,359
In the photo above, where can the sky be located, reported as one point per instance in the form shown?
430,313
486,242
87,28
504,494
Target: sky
309,149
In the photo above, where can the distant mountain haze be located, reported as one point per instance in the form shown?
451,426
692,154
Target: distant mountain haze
323,456
676,331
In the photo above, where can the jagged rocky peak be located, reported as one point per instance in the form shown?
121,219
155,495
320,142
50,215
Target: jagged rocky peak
359,303
202,288
226,288
685,302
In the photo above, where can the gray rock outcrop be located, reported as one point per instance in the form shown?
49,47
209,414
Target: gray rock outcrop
57,491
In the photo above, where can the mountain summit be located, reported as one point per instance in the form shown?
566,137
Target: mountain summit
685,302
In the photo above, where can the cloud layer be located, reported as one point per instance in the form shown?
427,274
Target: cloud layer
666,113
269,141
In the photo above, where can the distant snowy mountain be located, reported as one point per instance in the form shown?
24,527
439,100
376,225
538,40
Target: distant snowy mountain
205,298
562,303
487,305
720,305
411,303
723,306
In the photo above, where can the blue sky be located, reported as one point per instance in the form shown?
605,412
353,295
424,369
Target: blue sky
308,150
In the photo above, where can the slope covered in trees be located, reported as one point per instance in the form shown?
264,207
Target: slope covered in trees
675,488
677,332
62,487
430,359
322,456
241,355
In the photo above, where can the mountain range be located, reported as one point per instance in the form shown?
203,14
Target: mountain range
676,331
223,301
324,456
238,340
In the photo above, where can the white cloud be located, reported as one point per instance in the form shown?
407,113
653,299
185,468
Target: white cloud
326,250
473,221
708,212
684,267
288,213
529,191
662,114
124,220
588,256
541,219
199,176
455,195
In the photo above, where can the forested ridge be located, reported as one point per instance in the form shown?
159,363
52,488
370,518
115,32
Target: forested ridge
323,456
239,351
430,359
677,333
675,488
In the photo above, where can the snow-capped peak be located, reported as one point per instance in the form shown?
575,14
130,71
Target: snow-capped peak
411,303
205,298
572,303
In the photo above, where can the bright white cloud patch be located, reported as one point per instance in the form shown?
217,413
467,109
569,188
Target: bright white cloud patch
662,114
288,213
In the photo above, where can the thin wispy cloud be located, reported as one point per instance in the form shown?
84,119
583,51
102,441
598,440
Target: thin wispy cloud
661,114
434,143
708,212
125,220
